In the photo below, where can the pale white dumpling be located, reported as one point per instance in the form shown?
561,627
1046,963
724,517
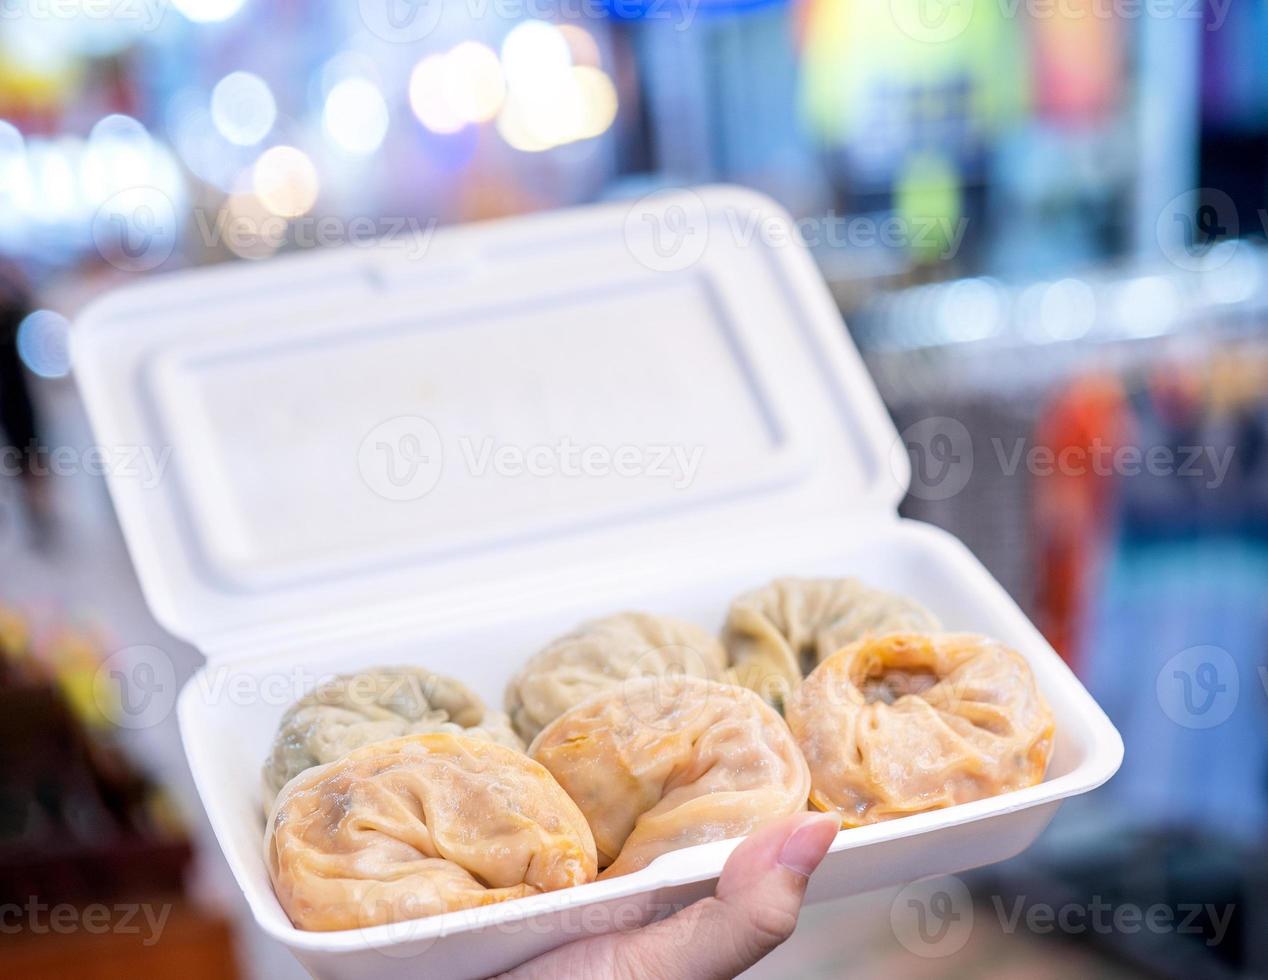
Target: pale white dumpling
359,709
602,653
777,634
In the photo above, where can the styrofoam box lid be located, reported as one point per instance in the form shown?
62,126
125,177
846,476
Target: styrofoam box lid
530,404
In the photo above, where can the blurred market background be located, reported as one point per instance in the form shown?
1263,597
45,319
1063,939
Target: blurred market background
1043,221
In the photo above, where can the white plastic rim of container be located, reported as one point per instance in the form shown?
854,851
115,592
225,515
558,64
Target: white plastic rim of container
329,505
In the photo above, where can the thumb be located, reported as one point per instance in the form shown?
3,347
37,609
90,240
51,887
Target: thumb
753,910
762,886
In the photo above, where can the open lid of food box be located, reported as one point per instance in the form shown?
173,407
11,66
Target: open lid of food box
431,425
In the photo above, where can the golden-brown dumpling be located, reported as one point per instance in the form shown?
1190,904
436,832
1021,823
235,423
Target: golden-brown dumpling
661,763
602,653
778,633
909,722
353,710
421,825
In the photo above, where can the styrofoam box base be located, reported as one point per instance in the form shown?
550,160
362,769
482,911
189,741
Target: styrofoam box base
227,733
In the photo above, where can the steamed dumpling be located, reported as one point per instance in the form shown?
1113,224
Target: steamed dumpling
909,722
661,763
353,710
421,825
777,634
602,653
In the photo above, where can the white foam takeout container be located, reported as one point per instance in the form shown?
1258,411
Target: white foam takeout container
309,523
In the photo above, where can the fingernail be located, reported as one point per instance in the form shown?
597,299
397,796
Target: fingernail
803,851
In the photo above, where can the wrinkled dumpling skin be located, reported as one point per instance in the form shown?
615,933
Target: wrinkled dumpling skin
421,825
359,709
778,633
663,763
601,654
908,722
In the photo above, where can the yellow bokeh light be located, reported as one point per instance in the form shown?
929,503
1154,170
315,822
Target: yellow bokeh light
598,101
250,230
472,84
285,181
515,127
579,105
428,98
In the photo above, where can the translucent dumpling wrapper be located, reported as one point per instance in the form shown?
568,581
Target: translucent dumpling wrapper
777,634
908,722
601,654
662,763
359,709
421,825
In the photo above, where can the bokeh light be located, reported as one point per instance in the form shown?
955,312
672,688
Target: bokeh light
556,93
598,101
53,185
533,52
15,179
285,181
203,150
428,97
355,116
242,108
44,344
473,84
208,11
119,154
253,231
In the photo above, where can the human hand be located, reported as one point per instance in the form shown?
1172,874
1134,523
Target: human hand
753,910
